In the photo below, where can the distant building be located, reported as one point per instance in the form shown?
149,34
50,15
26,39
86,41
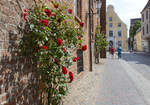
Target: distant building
130,41
132,21
116,30
146,26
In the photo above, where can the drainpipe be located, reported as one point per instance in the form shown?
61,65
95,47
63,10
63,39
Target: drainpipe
90,34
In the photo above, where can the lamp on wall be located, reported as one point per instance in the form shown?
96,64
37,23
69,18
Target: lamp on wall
98,6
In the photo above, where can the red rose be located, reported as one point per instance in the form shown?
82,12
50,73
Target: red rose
74,59
79,37
81,24
64,70
78,58
71,76
25,10
84,47
25,14
56,5
56,60
45,22
70,73
59,20
64,50
45,47
70,11
48,12
59,42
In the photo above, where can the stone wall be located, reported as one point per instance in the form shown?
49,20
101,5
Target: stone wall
18,80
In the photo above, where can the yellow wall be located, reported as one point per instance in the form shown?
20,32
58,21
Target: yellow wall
138,41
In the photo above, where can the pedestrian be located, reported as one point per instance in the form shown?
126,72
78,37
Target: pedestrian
112,50
119,52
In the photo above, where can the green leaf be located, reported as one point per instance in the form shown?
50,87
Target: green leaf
31,26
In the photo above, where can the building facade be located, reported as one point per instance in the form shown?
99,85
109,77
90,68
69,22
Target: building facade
138,41
116,30
146,26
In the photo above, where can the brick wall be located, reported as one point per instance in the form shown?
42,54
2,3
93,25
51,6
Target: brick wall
18,80
84,18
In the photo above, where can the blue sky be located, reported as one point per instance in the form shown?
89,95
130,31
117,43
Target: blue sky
127,9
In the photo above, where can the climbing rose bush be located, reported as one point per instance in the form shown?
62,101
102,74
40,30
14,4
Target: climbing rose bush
52,36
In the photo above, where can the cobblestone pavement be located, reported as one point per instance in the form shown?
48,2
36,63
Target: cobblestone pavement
85,91
123,81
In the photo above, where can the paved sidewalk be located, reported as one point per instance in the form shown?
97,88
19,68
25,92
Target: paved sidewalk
120,85
85,91
116,82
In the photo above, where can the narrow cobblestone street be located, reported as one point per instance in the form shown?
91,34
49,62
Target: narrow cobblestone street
117,82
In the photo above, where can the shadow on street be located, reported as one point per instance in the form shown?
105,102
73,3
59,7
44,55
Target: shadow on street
137,58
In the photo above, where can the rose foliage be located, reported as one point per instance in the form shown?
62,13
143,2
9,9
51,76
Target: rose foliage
52,36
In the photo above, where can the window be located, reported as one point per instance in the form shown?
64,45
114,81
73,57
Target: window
147,14
110,25
119,33
80,61
119,24
110,33
120,43
143,17
143,31
77,8
110,19
147,29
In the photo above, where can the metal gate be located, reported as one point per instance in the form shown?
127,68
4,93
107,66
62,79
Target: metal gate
80,61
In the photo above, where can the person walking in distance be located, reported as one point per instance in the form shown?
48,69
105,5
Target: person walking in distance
119,52
112,50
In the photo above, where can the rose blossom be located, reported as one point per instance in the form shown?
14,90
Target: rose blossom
84,47
48,12
70,11
74,59
71,76
45,22
56,60
79,37
25,14
78,58
64,50
81,24
45,47
59,41
59,20
25,10
64,70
